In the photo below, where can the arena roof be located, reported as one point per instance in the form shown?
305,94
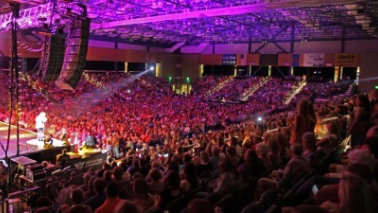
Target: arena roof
199,21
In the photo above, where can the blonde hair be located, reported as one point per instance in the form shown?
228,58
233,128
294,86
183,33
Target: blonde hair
354,195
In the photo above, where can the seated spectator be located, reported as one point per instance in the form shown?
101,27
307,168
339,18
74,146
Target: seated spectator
229,179
156,185
172,190
295,169
77,197
200,205
127,207
252,166
262,151
99,198
189,177
309,145
215,158
112,199
143,200
205,165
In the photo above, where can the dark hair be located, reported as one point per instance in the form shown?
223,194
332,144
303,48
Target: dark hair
191,176
118,172
43,201
140,189
372,143
112,190
362,171
187,158
172,180
77,196
200,205
99,185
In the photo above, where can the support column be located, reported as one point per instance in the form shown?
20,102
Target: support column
201,70
126,67
341,73
235,71
336,75
291,71
269,71
250,70
292,38
343,41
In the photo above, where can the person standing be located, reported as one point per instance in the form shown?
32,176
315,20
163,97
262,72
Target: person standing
40,121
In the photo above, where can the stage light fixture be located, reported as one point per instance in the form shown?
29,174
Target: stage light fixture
151,68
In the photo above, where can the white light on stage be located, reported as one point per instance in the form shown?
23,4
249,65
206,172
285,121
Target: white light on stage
259,119
151,68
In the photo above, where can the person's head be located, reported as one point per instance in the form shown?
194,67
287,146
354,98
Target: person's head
140,189
309,141
155,174
99,185
303,107
361,156
373,95
190,174
42,210
362,171
77,196
231,151
200,205
43,202
107,175
204,157
227,165
126,207
215,150
172,180
64,151
250,156
118,172
296,150
372,145
44,164
187,158
354,195
363,101
333,127
112,190
262,149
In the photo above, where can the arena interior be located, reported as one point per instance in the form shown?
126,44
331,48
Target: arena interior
188,106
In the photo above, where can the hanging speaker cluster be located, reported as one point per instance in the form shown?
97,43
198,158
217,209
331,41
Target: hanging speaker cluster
63,61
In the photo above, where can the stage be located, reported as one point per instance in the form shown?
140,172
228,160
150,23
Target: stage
28,141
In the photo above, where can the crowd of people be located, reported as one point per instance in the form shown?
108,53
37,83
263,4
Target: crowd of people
208,152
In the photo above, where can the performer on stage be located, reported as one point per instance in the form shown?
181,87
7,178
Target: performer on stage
40,125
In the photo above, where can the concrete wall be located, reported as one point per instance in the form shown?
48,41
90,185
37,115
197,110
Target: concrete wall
368,71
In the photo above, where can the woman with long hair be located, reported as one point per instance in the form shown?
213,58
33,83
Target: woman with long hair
354,196
359,121
304,121
189,177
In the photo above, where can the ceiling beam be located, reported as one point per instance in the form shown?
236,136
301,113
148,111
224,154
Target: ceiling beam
229,11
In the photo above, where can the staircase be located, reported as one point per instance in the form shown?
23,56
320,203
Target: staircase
253,89
218,87
348,93
299,89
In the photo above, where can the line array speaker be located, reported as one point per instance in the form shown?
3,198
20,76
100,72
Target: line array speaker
52,57
75,55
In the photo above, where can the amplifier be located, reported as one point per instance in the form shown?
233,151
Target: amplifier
35,173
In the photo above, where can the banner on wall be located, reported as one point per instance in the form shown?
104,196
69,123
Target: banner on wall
346,60
243,59
313,60
295,60
229,59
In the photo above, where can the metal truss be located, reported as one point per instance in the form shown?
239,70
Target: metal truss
213,21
